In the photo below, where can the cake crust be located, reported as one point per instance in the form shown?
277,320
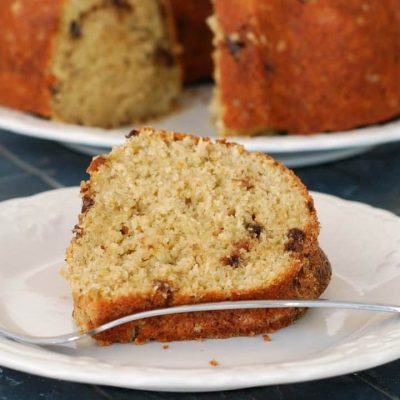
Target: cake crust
309,283
29,29
317,66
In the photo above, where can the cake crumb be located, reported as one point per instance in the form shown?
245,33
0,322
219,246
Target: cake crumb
166,346
214,363
63,271
266,338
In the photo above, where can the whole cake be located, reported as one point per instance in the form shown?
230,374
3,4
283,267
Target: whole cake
305,66
93,62
170,219
293,66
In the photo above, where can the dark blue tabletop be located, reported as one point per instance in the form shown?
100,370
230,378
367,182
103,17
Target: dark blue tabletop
29,166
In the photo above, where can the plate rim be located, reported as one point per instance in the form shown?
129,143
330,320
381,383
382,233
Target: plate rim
139,378
55,365
26,124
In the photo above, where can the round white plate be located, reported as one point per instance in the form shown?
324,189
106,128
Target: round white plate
362,243
193,116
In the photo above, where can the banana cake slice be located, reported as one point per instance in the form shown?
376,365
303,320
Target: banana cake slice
170,219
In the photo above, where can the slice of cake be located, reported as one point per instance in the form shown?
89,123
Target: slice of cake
170,219
95,62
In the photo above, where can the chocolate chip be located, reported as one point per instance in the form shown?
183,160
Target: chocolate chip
295,241
234,46
75,30
164,57
87,202
254,230
269,68
232,261
132,133
53,89
124,230
296,234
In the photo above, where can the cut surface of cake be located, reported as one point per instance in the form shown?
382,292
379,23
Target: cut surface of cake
170,219
305,66
94,62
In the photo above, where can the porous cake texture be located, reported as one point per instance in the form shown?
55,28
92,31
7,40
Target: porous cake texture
170,219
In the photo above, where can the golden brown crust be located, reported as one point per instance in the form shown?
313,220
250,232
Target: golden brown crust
195,37
319,65
307,283
28,29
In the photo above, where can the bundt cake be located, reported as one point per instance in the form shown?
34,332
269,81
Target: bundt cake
293,66
305,66
170,219
92,62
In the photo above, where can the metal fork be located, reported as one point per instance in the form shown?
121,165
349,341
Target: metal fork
228,305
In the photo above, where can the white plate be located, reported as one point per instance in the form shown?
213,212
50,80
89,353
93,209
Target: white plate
362,243
193,116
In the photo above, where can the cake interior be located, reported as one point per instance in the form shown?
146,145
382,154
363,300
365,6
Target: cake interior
114,52
184,215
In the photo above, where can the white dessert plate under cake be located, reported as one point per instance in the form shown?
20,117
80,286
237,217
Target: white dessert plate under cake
363,244
193,115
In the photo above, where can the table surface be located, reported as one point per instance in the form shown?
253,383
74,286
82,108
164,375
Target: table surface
29,166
